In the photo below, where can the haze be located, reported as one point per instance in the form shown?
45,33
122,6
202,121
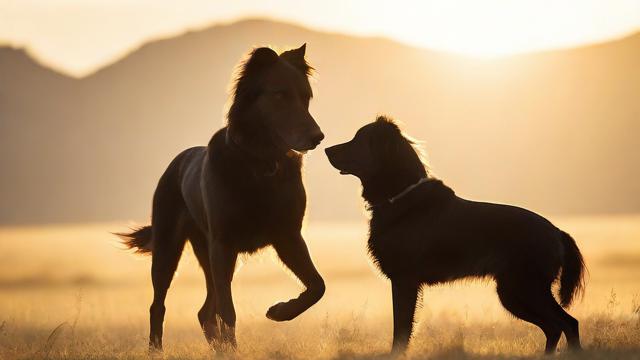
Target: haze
77,37
539,107
553,131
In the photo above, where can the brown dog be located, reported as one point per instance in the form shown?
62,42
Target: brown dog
422,233
240,193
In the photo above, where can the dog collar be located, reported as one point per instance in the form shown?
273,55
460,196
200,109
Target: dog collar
408,190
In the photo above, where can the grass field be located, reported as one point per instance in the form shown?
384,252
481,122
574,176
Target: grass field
70,292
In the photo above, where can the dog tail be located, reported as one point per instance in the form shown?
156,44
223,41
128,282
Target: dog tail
138,239
573,269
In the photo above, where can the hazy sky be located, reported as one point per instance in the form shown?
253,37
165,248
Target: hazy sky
79,35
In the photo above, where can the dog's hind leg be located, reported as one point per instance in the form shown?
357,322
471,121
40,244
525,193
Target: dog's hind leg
169,237
207,313
571,328
531,304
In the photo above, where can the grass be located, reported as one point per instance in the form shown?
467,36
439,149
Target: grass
359,336
71,293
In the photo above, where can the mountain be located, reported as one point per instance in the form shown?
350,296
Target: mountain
555,131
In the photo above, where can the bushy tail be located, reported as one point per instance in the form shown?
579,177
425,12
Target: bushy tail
138,239
572,277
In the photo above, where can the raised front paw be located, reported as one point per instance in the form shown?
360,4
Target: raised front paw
281,311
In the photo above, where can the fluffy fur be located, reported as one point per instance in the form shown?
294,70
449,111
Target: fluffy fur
241,192
429,235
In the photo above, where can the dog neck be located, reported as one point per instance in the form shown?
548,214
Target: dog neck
390,187
264,166
408,190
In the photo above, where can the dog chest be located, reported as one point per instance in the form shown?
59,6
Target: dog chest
394,256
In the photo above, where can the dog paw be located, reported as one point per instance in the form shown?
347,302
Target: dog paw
279,312
156,353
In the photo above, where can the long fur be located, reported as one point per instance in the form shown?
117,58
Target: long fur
432,236
572,278
139,240
240,193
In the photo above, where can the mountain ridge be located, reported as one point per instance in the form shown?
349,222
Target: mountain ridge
527,129
259,20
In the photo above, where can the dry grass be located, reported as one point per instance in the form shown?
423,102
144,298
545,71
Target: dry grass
107,334
70,293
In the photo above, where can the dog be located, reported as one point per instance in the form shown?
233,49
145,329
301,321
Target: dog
421,233
240,193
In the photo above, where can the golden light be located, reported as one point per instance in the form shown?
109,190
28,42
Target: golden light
56,34
492,28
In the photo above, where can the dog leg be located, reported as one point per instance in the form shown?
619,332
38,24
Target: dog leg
405,296
295,255
570,325
535,305
169,239
223,262
207,313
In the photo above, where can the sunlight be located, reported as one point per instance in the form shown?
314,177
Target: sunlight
479,31
488,28
359,179
494,28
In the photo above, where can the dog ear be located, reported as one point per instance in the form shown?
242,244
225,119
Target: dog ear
295,57
389,134
393,149
386,121
261,57
245,83
387,140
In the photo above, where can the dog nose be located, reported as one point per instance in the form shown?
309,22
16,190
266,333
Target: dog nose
317,138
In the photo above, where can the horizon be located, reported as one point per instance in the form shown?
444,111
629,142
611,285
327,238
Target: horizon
485,30
44,62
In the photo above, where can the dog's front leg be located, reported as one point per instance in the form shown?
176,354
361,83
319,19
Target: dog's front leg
405,295
223,262
295,255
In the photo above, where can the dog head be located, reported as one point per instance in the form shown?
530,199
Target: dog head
381,157
271,102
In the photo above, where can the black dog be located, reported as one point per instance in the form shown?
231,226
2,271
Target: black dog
422,233
240,193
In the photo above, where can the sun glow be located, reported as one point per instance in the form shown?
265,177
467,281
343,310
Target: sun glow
493,28
56,34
